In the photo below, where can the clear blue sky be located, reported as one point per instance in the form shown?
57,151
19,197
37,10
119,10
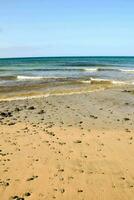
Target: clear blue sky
66,27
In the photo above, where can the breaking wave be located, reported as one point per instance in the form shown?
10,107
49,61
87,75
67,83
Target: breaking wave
30,77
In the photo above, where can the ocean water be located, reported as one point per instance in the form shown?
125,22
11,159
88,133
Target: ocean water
23,71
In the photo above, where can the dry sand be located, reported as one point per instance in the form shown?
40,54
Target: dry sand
72,147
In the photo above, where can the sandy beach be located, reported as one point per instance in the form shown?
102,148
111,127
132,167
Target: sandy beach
68,147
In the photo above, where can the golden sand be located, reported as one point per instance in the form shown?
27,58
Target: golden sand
68,147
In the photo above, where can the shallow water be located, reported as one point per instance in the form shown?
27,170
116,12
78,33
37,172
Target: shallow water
25,74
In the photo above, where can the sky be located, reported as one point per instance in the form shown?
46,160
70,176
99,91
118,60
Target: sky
66,28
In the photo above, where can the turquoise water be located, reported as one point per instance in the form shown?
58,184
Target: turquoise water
15,71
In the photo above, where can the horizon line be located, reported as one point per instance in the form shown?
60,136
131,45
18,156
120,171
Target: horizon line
66,56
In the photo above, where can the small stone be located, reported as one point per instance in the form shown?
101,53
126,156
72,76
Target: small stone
80,190
62,190
31,108
126,119
123,178
27,194
78,141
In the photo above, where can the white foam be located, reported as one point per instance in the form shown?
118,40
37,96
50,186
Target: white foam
29,77
90,69
88,81
100,80
37,77
109,69
120,82
110,81
127,70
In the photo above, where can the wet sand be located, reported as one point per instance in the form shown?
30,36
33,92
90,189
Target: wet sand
77,146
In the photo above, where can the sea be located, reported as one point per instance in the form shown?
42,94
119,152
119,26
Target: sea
16,72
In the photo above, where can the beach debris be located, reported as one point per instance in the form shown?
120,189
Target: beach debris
126,119
17,109
11,123
6,114
27,194
80,191
3,183
32,178
61,170
17,198
126,91
41,112
31,108
62,190
123,178
92,116
78,141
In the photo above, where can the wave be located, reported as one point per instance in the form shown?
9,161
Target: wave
92,69
38,77
116,70
120,82
107,81
55,78
49,69
95,69
100,81
86,64
51,78
108,69
75,69
30,77
64,69
86,81
104,81
128,70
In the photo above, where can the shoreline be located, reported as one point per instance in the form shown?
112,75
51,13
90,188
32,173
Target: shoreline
77,88
48,95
